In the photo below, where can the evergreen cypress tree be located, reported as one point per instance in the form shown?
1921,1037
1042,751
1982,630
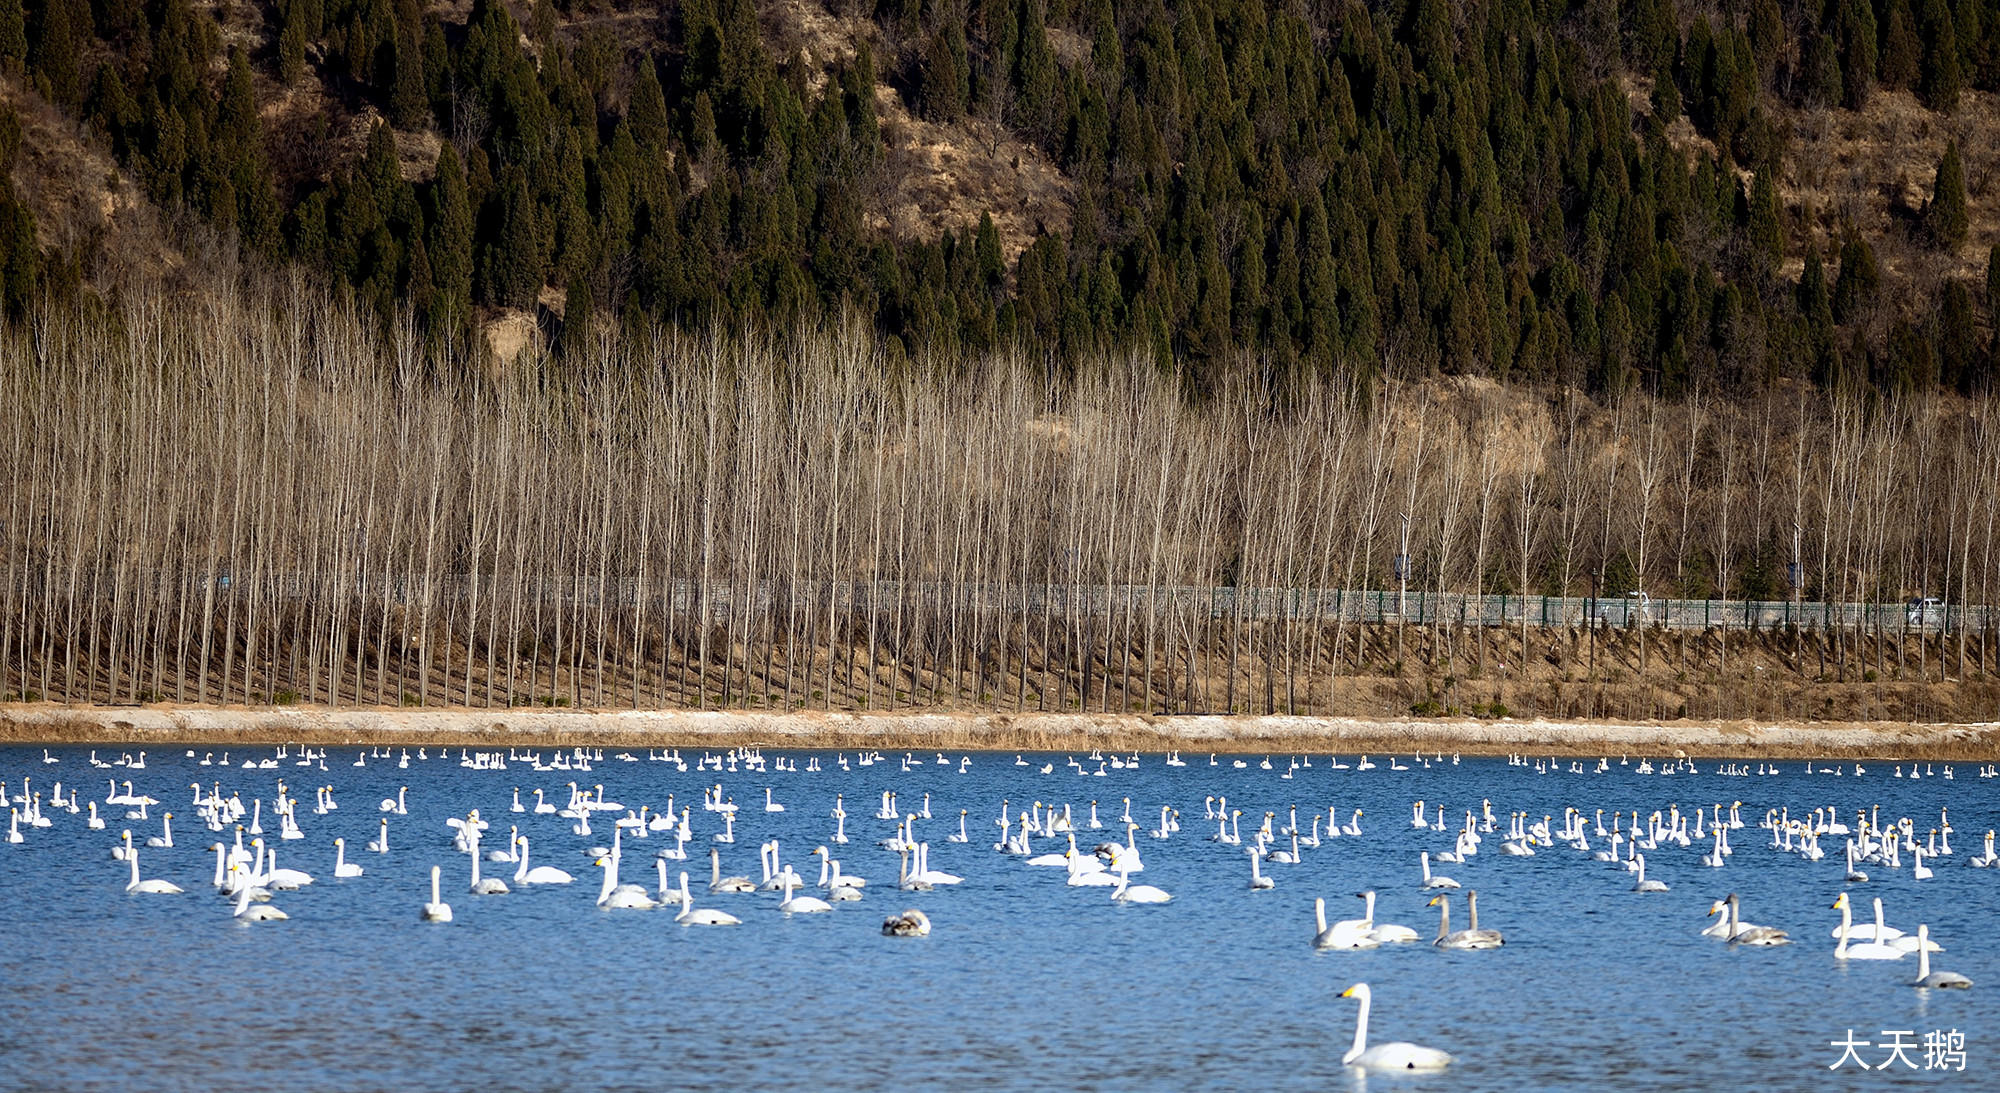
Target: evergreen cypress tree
943,75
1766,224
57,45
291,44
13,36
1901,50
1854,288
1957,337
449,250
1945,217
1859,54
1943,73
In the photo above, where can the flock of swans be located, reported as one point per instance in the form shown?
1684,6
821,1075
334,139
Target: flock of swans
1080,843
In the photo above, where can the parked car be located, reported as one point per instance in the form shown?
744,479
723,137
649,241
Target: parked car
1635,609
1927,611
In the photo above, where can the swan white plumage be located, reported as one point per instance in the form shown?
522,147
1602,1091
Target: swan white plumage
615,896
275,877
488,886
540,874
1127,892
139,887
255,912
1928,978
1868,950
1258,881
437,910
1434,881
1395,1055
1644,885
342,868
1387,931
1347,934
801,905
706,916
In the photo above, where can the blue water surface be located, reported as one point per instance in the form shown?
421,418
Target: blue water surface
1025,983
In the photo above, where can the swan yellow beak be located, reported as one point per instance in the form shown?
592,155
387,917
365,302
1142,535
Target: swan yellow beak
1348,993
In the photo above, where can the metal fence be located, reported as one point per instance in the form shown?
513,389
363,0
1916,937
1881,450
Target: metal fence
684,596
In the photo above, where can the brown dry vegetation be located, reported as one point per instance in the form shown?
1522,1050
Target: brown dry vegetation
83,204
938,177
1874,169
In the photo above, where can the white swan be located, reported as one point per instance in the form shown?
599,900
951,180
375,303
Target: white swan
1870,931
165,839
541,874
146,887
801,905
1258,881
437,910
926,874
1347,934
1387,931
1395,1055
275,877
1868,950
617,896
1643,884
489,886
705,916
1431,881
342,868
255,912
910,923
1127,892
1928,978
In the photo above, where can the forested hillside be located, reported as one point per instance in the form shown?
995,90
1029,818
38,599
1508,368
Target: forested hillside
1617,196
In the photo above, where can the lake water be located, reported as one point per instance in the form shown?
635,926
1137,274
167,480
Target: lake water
1025,983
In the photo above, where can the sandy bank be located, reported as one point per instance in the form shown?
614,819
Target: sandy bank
44,724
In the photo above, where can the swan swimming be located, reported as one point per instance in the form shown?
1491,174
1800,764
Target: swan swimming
706,916
145,887
437,910
1867,950
910,923
1928,978
1395,1055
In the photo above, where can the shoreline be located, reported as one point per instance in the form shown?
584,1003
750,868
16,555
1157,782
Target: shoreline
966,731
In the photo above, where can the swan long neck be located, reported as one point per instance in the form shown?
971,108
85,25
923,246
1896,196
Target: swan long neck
1846,923
1444,918
1923,953
1360,1030
1319,909
1369,913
